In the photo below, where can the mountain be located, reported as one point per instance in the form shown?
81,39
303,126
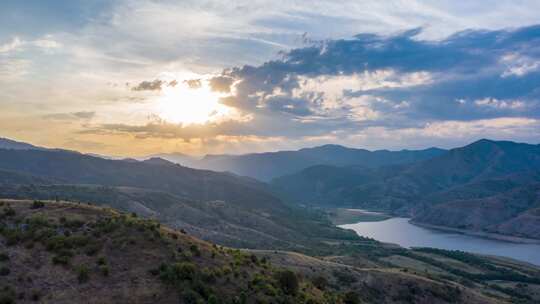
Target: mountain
16,145
266,166
62,252
221,207
177,158
480,170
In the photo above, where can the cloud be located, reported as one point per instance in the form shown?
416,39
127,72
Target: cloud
221,84
154,85
193,83
13,45
83,115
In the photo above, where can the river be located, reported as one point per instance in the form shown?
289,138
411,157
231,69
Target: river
400,231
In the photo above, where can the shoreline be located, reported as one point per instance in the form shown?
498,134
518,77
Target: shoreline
486,235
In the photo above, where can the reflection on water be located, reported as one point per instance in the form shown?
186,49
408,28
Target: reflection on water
400,231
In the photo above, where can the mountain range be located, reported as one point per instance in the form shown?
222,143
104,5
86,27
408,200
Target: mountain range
115,208
269,165
456,189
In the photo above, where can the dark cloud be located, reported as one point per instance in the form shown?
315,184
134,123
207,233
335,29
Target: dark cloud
154,85
221,84
464,69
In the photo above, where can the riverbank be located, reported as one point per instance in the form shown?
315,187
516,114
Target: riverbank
343,216
487,235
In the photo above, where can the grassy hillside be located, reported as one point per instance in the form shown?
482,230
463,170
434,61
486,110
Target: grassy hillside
57,252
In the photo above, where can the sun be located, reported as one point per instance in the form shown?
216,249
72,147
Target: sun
187,105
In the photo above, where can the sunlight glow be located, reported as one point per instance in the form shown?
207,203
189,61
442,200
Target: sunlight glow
185,105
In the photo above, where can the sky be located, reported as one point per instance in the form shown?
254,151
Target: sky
132,78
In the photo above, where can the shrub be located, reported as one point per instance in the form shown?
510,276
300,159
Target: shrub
59,259
190,297
104,270
195,250
344,277
4,256
101,261
288,282
320,282
351,297
8,211
212,299
37,205
4,271
35,295
7,295
83,274
177,272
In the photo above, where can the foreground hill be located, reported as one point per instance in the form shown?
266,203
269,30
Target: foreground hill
439,190
71,253
265,166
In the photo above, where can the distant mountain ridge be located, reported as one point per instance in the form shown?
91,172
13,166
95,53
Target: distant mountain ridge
477,171
269,165
6,143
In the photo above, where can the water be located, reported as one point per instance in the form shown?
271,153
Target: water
400,231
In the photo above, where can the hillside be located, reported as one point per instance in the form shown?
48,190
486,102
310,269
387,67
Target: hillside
477,171
59,252
218,207
265,166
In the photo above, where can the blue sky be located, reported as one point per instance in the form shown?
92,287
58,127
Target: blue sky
134,77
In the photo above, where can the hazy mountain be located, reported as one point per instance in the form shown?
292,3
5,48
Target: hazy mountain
265,166
17,145
482,169
178,158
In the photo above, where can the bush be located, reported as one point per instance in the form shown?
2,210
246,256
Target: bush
104,270
60,260
4,256
4,271
288,282
177,272
7,295
37,205
195,250
351,297
8,211
83,274
190,297
320,282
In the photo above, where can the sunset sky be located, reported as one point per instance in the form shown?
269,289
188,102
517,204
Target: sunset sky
130,78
